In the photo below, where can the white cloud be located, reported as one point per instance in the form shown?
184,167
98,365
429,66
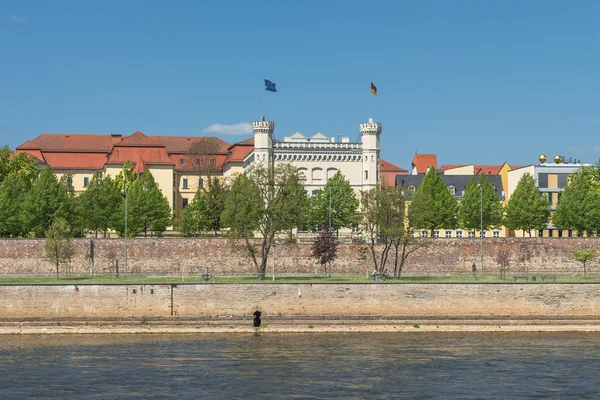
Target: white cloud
581,150
241,128
16,18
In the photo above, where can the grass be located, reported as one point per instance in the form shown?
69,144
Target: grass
138,279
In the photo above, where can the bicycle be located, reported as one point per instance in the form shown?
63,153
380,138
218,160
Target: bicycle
208,277
377,276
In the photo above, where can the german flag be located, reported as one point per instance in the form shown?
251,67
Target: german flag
373,89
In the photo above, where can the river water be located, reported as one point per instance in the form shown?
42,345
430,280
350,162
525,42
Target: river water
301,366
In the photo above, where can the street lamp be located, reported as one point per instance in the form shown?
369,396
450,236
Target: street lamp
126,201
274,245
329,208
481,224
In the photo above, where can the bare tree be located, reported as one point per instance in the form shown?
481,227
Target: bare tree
58,243
203,154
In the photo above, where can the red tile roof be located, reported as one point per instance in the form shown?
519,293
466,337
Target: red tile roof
451,166
150,155
86,161
139,139
423,161
388,172
68,142
487,169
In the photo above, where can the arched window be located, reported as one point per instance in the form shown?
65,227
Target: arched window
452,190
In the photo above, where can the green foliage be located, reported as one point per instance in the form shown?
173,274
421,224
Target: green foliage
432,206
100,204
197,216
382,211
215,194
48,199
527,209
261,203
13,194
21,163
58,243
579,206
126,177
585,256
148,210
344,204
476,202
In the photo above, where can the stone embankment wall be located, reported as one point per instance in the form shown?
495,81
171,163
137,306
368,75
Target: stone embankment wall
442,301
191,256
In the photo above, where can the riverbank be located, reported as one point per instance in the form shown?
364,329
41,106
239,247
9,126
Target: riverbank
301,325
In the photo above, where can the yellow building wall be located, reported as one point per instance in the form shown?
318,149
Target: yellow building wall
464,170
77,178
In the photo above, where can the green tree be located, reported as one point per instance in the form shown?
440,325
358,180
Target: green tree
58,243
382,211
13,194
22,163
148,210
262,202
99,203
584,256
48,199
197,216
126,177
344,204
579,206
480,198
215,195
527,209
433,207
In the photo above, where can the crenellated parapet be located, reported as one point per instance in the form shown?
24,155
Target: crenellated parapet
370,128
262,126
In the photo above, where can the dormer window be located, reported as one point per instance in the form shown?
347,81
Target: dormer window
411,190
181,161
452,190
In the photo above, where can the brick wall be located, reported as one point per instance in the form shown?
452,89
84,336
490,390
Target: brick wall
310,300
172,256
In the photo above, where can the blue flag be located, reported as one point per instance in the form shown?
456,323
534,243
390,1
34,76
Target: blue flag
270,86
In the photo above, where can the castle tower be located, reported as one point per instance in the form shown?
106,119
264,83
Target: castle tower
370,132
263,140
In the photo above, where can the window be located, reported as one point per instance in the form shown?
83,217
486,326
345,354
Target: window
483,234
411,190
213,162
423,233
436,234
185,202
200,183
496,233
459,234
471,234
448,234
452,190
366,174
86,181
185,183
70,180
181,161
314,193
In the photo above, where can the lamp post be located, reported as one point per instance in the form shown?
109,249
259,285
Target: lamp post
126,201
274,245
329,208
481,225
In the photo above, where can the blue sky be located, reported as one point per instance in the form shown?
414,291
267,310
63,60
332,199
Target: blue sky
473,81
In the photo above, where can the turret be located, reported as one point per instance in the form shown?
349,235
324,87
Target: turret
370,132
263,140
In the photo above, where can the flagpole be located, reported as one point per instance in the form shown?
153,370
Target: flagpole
263,104
370,100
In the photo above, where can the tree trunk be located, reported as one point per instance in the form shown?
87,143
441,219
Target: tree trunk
57,277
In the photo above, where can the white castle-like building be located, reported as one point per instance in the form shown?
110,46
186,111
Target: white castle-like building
318,157
175,166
